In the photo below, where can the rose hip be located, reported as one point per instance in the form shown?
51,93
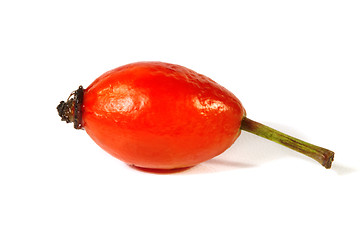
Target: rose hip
164,116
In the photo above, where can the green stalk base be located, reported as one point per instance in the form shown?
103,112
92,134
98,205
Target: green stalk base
324,156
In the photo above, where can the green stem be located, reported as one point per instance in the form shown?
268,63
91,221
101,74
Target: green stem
324,156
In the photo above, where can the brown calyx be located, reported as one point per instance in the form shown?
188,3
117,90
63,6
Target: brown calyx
70,111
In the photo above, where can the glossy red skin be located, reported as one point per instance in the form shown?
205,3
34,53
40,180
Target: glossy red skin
160,116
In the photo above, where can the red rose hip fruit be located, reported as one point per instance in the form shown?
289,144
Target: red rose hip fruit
164,116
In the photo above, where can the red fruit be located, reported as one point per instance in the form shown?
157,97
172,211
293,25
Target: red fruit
159,115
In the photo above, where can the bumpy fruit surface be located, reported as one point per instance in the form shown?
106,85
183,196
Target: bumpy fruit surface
161,116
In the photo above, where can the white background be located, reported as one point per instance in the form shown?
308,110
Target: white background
293,64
